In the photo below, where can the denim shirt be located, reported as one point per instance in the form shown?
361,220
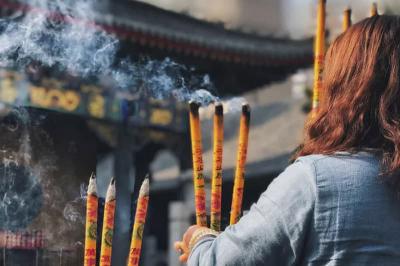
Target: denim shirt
322,210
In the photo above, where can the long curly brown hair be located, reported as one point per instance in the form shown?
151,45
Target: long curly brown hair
360,101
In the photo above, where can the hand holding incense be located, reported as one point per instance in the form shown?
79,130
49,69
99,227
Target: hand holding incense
319,53
347,19
138,227
197,157
238,186
216,183
91,223
108,226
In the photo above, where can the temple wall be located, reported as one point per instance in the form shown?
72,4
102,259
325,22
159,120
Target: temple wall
45,161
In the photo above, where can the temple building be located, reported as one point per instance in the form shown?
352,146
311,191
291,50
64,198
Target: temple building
57,128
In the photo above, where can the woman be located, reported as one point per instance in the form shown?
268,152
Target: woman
338,203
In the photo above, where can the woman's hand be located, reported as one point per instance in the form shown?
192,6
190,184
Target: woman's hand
183,246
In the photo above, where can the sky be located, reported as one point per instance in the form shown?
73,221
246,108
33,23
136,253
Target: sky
294,18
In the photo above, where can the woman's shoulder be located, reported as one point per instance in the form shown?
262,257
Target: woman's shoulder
339,157
295,183
312,173
339,166
347,159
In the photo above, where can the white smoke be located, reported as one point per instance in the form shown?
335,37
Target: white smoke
231,106
57,33
61,34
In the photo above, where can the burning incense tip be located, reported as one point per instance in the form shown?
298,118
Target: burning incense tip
144,189
92,187
111,191
194,107
219,109
246,109
347,11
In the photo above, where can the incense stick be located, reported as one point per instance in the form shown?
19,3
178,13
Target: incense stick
347,19
108,226
91,223
216,183
197,156
237,196
138,227
319,53
374,9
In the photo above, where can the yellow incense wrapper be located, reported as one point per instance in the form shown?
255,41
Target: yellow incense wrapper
197,156
91,223
216,183
319,53
346,19
108,226
237,196
374,10
138,227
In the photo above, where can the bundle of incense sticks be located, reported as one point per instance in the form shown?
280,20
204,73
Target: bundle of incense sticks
108,224
346,18
216,183
319,51
138,227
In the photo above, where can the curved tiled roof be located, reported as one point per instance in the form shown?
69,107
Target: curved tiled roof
199,37
151,26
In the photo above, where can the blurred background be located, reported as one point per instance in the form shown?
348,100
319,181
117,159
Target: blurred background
102,86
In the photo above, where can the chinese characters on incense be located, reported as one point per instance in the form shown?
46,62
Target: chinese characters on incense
319,46
197,157
108,226
216,181
138,227
91,223
237,196
319,53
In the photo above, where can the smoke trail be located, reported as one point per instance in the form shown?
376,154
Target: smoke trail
60,35
20,193
71,211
